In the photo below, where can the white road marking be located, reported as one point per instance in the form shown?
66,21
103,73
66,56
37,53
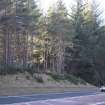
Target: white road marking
87,96
47,103
98,103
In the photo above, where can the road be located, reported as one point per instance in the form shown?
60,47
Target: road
66,98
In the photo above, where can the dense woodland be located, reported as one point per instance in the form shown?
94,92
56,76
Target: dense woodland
60,42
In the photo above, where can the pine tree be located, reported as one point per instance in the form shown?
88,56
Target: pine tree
87,30
58,28
18,22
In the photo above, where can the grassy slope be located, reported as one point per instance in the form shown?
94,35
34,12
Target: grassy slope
24,84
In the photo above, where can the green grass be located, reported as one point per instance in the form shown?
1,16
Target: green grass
69,78
56,77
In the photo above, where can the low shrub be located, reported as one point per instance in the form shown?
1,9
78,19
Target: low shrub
81,81
9,69
72,79
38,78
56,77
27,77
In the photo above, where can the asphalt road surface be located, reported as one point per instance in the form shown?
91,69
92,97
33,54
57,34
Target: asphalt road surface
66,98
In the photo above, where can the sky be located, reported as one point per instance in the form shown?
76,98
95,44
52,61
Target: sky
45,4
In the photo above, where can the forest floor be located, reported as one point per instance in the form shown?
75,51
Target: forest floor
24,84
